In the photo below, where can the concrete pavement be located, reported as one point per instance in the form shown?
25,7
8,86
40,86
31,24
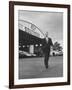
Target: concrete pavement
34,67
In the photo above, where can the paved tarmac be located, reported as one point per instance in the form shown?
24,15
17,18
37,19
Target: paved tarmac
34,68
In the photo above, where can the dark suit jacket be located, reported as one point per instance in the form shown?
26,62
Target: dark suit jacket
47,45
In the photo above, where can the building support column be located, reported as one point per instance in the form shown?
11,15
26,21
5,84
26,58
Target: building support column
31,49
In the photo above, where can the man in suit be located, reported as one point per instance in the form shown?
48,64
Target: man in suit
47,43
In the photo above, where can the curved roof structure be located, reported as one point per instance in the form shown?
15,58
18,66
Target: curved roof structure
30,28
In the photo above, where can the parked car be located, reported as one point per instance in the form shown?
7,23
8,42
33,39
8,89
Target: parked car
56,53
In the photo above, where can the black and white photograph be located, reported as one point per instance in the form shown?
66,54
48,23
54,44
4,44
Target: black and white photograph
39,44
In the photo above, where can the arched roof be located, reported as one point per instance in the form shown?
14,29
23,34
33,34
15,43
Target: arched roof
22,24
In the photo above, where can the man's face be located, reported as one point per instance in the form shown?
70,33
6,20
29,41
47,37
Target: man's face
46,34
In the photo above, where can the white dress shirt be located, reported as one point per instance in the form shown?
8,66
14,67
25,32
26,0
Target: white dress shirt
47,39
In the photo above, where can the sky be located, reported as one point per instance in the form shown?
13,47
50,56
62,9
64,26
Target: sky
46,21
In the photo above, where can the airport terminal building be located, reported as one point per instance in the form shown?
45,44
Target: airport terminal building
30,40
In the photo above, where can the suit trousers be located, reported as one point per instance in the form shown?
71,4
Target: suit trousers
46,59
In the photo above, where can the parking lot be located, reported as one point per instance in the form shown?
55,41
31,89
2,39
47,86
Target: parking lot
34,67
